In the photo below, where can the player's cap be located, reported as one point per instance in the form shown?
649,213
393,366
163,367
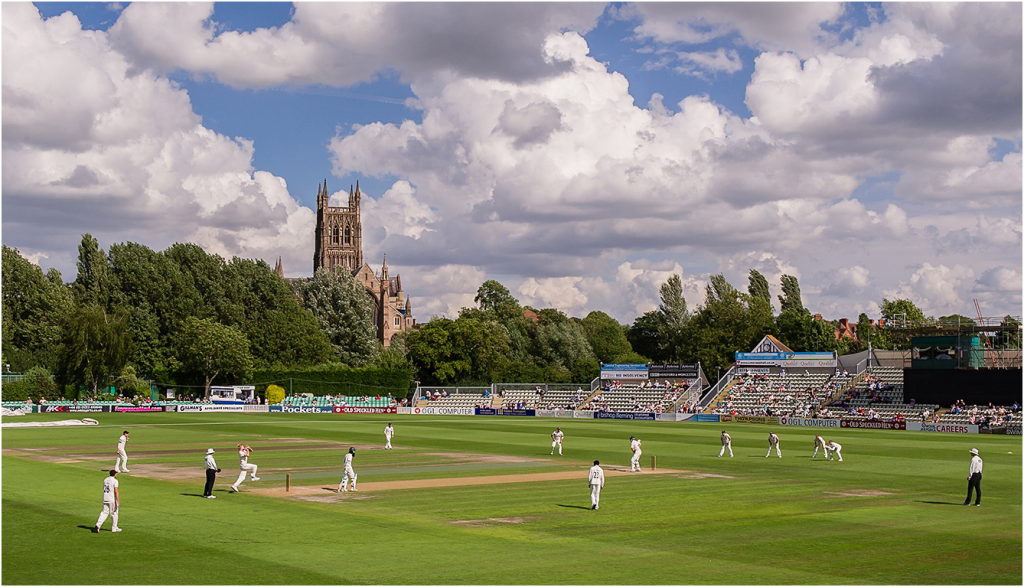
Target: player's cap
126,432
597,462
352,449
210,451
974,451
113,472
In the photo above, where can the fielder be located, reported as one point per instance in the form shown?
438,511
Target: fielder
819,442
111,503
726,444
556,440
349,473
389,431
122,457
244,467
837,450
634,463
773,441
596,480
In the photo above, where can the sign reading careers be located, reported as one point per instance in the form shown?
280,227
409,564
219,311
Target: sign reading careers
786,359
624,371
681,370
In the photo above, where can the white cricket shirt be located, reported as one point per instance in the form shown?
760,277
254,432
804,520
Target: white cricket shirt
975,465
121,442
596,475
557,436
348,460
109,485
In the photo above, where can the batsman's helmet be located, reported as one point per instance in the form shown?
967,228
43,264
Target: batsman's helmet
352,449
631,438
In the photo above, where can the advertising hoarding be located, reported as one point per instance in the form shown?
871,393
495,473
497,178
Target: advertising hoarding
683,370
623,371
815,422
786,359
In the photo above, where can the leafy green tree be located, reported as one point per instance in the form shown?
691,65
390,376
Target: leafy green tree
208,349
35,310
129,384
561,344
720,327
345,314
96,345
395,356
287,337
493,295
757,287
644,335
790,300
452,351
605,336
900,310
91,287
674,317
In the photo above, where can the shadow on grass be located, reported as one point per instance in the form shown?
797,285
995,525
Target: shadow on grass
84,527
193,495
579,507
940,502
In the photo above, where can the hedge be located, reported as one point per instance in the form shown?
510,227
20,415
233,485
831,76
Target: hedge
338,379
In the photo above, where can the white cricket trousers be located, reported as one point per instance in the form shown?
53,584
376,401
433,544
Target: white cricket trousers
349,474
387,444
595,495
122,461
555,443
725,446
109,509
816,447
777,449
634,463
838,453
246,468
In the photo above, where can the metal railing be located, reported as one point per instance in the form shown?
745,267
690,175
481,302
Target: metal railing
717,388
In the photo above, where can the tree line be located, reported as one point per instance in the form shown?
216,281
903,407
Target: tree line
185,317
178,316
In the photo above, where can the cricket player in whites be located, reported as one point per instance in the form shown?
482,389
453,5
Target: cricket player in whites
111,503
596,484
556,440
245,467
837,450
726,444
773,441
349,472
389,431
634,463
122,457
819,442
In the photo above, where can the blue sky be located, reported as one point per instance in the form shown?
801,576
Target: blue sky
841,143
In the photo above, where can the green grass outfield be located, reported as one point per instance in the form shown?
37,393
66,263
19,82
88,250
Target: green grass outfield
756,521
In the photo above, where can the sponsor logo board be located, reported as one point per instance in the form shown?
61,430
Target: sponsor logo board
684,370
301,409
957,428
708,418
625,415
582,414
873,424
786,359
624,371
441,411
815,422
756,419
80,408
141,409
364,410
504,412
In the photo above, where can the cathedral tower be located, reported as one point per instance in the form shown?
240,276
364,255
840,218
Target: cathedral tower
339,233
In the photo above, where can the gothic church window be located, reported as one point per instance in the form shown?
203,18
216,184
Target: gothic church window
334,235
348,235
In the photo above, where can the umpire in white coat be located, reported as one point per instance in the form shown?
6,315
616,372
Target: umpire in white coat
974,478
211,474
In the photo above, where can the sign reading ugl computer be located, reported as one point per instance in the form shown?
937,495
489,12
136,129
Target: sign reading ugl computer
624,371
